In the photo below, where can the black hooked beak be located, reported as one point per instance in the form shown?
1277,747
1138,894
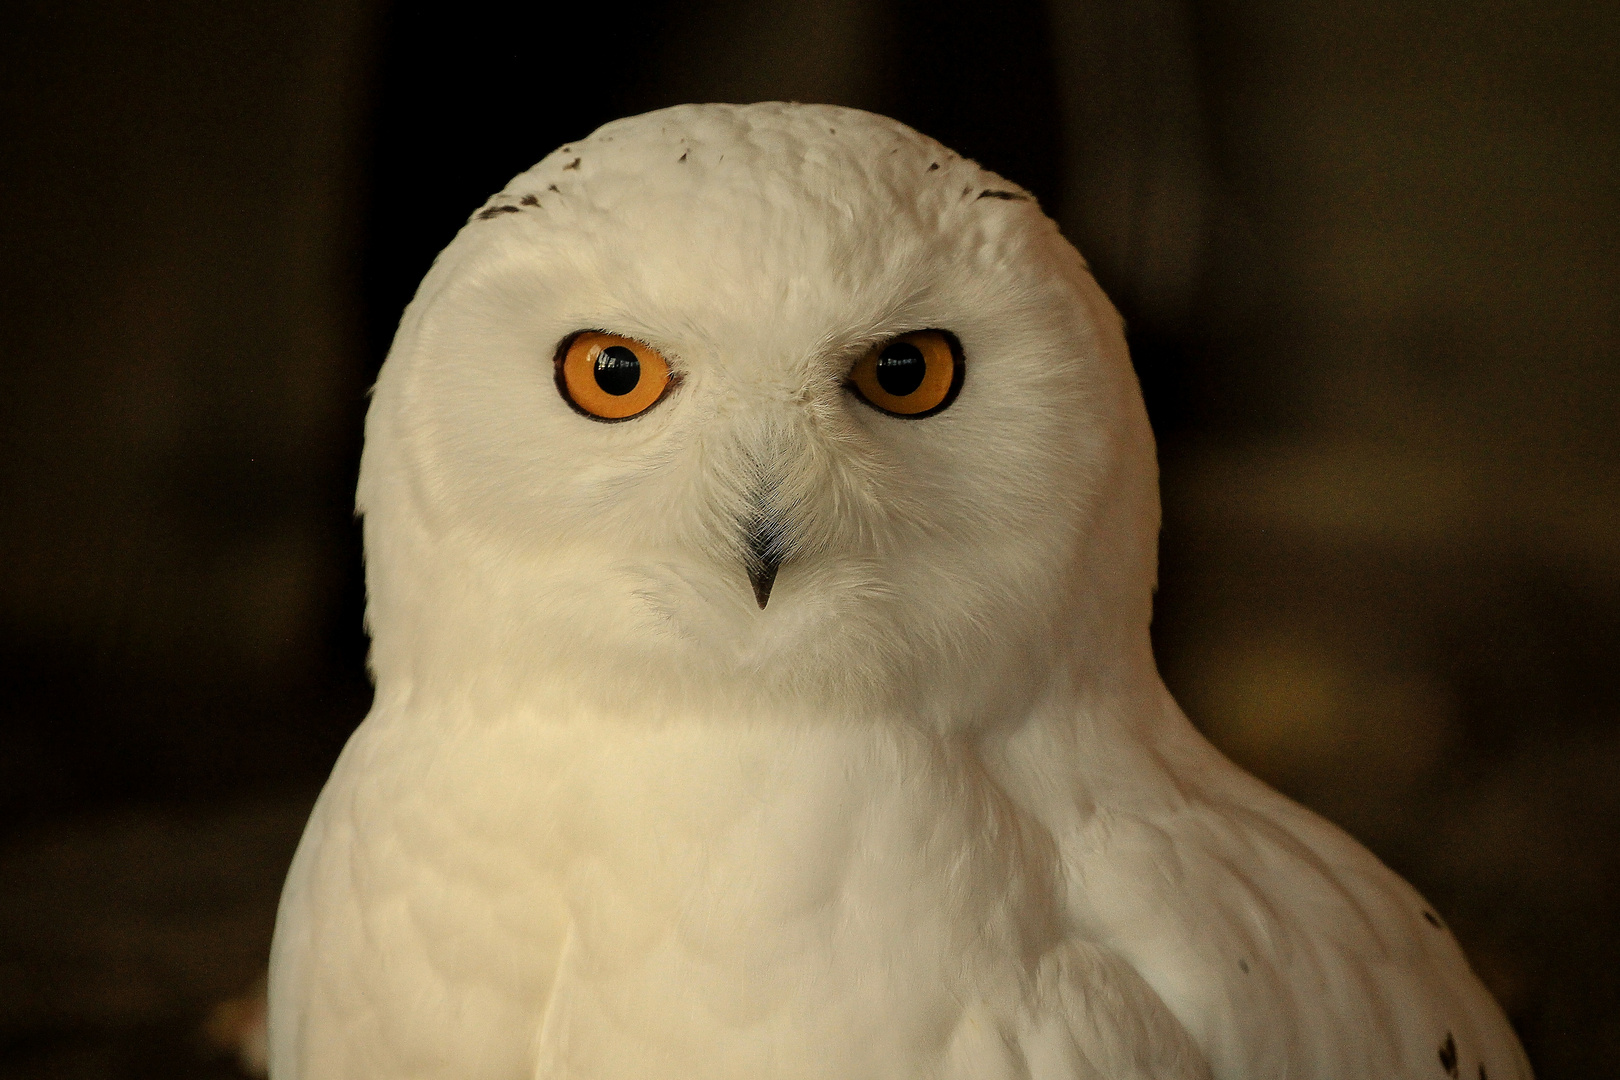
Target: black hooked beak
764,557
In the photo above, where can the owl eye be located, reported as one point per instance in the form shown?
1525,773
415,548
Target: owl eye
913,375
608,377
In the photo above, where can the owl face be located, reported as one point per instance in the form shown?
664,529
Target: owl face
771,404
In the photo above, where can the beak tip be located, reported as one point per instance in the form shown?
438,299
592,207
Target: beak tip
763,558
763,578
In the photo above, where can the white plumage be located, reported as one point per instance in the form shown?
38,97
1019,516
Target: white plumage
930,811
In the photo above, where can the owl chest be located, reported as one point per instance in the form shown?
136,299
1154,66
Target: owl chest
653,896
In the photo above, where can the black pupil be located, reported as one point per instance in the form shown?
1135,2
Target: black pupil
900,368
617,370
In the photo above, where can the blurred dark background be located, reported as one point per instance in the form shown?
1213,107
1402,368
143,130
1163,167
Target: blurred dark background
1367,251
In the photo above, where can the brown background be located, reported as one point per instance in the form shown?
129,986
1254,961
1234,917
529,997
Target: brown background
1367,251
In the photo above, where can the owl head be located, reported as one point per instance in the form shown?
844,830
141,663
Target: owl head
768,407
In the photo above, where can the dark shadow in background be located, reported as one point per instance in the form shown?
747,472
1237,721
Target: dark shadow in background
1365,252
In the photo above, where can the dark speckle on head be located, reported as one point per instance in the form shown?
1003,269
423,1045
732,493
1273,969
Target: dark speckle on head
683,155
489,212
1448,1055
832,131
1243,965
987,194
1431,918
934,166
573,164
967,191
553,187
529,200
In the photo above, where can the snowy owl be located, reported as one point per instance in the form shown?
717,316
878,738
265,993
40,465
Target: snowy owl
760,526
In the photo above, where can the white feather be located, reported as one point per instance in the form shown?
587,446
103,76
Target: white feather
930,813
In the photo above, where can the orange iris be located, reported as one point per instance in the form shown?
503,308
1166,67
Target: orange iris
913,375
608,377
